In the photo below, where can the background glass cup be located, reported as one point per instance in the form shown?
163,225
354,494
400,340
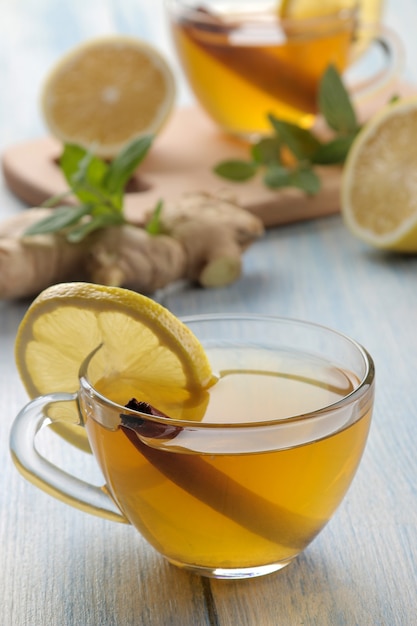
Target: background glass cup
242,492
242,61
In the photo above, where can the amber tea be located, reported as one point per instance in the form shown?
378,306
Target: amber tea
240,72
243,60
218,505
231,480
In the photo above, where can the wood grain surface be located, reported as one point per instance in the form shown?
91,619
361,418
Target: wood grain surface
61,567
180,161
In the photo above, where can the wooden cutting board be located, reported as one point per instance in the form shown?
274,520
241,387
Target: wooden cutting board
180,161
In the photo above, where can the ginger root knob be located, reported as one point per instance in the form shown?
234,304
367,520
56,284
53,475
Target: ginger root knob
202,240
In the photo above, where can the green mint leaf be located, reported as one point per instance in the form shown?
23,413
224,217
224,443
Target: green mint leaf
79,166
277,176
335,104
84,173
61,218
125,163
57,199
98,185
302,143
305,179
267,150
394,98
153,227
236,170
80,231
334,151
70,160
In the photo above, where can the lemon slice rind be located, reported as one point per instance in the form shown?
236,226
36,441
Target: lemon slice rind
69,320
379,184
107,92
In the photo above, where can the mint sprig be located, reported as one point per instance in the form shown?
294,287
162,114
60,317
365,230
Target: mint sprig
306,148
335,105
99,187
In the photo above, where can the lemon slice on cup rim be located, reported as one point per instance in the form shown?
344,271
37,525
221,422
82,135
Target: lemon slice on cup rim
368,16
305,9
106,92
379,182
67,321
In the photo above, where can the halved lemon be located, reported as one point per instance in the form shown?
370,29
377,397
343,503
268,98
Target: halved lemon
367,16
107,92
304,9
379,183
142,339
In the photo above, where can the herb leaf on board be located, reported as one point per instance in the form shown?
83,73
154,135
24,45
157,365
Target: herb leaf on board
335,104
99,187
306,150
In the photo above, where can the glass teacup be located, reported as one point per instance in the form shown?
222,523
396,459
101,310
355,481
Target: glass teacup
239,479
243,61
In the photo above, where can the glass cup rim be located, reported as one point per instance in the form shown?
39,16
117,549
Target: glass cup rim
361,389
257,15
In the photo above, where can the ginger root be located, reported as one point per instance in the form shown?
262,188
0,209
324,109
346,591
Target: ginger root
202,240
29,265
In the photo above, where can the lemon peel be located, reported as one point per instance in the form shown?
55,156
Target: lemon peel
379,182
67,321
304,9
106,92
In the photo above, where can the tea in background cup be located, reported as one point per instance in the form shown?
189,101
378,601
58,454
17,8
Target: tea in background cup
237,482
243,60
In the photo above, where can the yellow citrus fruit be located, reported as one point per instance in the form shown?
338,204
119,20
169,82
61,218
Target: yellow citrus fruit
365,17
106,92
379,184
141,339
304,9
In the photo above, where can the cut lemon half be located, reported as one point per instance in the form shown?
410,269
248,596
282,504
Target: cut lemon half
305,9
107,92
365,17
142,341
379,183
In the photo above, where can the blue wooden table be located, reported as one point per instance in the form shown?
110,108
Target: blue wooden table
61,567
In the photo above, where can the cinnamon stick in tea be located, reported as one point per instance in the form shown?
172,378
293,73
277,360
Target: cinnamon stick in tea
210,485
288,69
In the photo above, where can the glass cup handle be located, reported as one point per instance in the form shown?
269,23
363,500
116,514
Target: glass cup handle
393,51
47,476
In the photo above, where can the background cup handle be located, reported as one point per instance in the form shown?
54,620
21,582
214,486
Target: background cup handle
46,475
394,57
